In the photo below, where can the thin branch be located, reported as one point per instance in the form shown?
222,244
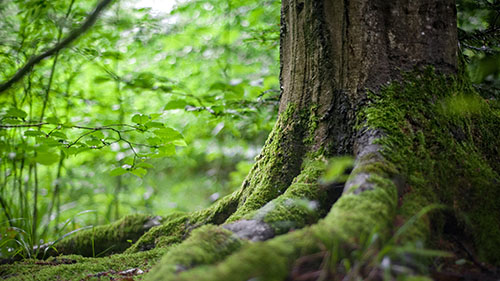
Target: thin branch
73,126
22,125
91,19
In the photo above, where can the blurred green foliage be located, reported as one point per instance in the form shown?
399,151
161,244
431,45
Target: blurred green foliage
479,35
149,111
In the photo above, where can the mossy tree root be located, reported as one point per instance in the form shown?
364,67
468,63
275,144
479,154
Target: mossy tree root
102,240
76,267
405,154
352,219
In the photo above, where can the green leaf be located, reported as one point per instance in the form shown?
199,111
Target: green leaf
166,89
93,142
32,133
112,54
144,165
218,86
60,135
110,139
154,141
118,172
128,160
144,80
180,142
140,172
336,168
101,79
154,116
152,124
168,134
47,141
13,121
98,135
46,158
16,112
75,150
175,104
167,150
234,93
68,125
52,120
140,119
71,150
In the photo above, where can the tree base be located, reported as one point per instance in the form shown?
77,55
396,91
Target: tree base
426,151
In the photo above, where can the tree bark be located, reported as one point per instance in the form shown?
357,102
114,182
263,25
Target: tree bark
333,52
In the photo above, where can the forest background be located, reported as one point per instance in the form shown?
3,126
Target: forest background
150,111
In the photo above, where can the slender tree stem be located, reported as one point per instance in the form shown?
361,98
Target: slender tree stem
34,223
20,187
49,85
53,68
3,204
119,179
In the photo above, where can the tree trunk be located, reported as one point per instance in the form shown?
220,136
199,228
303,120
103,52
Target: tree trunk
379,80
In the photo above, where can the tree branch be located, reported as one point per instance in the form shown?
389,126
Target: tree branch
91,19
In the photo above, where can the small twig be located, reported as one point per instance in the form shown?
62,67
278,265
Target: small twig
23,125
79,138
53,130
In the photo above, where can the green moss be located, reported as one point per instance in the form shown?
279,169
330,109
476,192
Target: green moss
446,150
267,180
412,203
351,220
171,232
177,227
268,260
373,164
357,216
206,245
303,203
312,123
352,217
276,165
104,240
79,268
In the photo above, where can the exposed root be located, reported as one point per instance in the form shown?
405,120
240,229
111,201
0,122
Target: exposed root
351,220
102,240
